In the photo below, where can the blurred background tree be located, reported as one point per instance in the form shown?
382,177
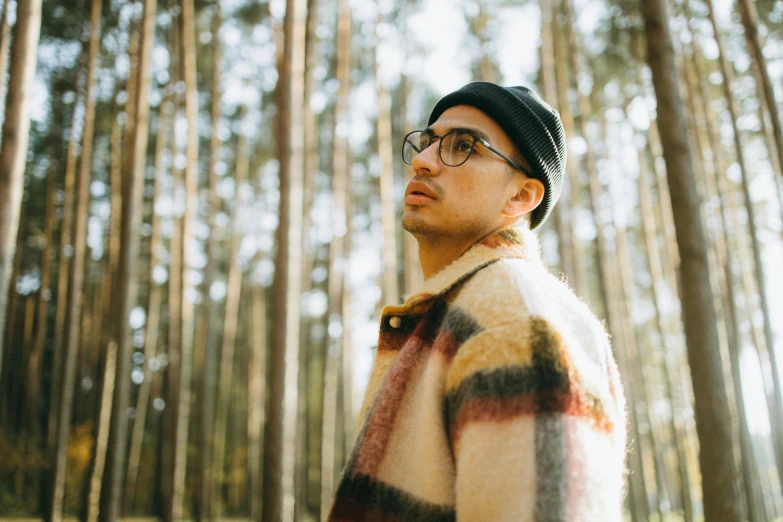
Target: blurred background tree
200,205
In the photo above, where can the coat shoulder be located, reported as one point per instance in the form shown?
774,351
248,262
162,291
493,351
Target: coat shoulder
515,288
518,298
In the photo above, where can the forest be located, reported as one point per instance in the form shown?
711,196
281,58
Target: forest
200,206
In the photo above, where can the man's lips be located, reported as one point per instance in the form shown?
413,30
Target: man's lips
418,199
418,188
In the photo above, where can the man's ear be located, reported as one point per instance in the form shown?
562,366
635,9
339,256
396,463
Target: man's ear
527,197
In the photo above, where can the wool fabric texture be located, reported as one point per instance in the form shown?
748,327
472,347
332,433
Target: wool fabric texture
533,126
494,396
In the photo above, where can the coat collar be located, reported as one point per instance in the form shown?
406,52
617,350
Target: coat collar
517,243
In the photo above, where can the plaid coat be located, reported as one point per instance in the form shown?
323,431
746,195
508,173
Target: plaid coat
494,395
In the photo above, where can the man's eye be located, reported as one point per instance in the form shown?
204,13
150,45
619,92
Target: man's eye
463,145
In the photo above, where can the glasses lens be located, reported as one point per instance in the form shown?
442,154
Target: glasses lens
415,142
457,146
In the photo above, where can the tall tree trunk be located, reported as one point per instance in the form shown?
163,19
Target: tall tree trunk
721,493
705,167
346,352
102,439
77,270
78,263
590,166
226,369
204,349
98,459
769,140
749,17
337,258
283,368
311,152
115,221
636,365
174,290
774,395
61,297
124,293
154,302
34,376
578,278
638,501
548,82
750,471
388,217
188,57
413,277
311,360
5,42
716,185
485,69
10,409
25,442
656,273
256,398
13,152
677,360
174,337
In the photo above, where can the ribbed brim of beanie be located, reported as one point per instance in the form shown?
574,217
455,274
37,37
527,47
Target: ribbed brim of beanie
533,126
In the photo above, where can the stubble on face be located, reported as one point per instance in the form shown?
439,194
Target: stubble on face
433,234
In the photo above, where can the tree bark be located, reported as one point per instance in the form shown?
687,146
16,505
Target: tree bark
102,439
77,270
188,56
388,217
749,17
13,152
656,273
721,493
278,479
5,43
308,457
124,293
572,189
637,366
226,369
78,264
774,398
204,349
346,351
10,409
548,82
154,302
256,398
168,445
337,260
36,356
590,166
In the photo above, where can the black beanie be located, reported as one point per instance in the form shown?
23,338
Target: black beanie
533,126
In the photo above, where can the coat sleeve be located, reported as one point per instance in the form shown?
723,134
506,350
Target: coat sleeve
534,437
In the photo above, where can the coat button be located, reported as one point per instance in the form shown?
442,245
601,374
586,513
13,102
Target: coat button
395,322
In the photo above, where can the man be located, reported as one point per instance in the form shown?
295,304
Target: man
494,395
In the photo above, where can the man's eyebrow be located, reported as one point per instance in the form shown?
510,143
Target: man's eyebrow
478,132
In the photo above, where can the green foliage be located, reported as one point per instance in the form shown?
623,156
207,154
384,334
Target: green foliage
252,13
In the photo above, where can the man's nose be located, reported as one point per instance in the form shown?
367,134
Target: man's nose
427,159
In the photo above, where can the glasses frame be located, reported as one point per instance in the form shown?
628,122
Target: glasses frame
473,135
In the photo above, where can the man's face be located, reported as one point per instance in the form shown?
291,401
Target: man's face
470,198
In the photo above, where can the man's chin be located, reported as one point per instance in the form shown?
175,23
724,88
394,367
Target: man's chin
415,224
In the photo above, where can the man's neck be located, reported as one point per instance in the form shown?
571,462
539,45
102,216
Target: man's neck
434,256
